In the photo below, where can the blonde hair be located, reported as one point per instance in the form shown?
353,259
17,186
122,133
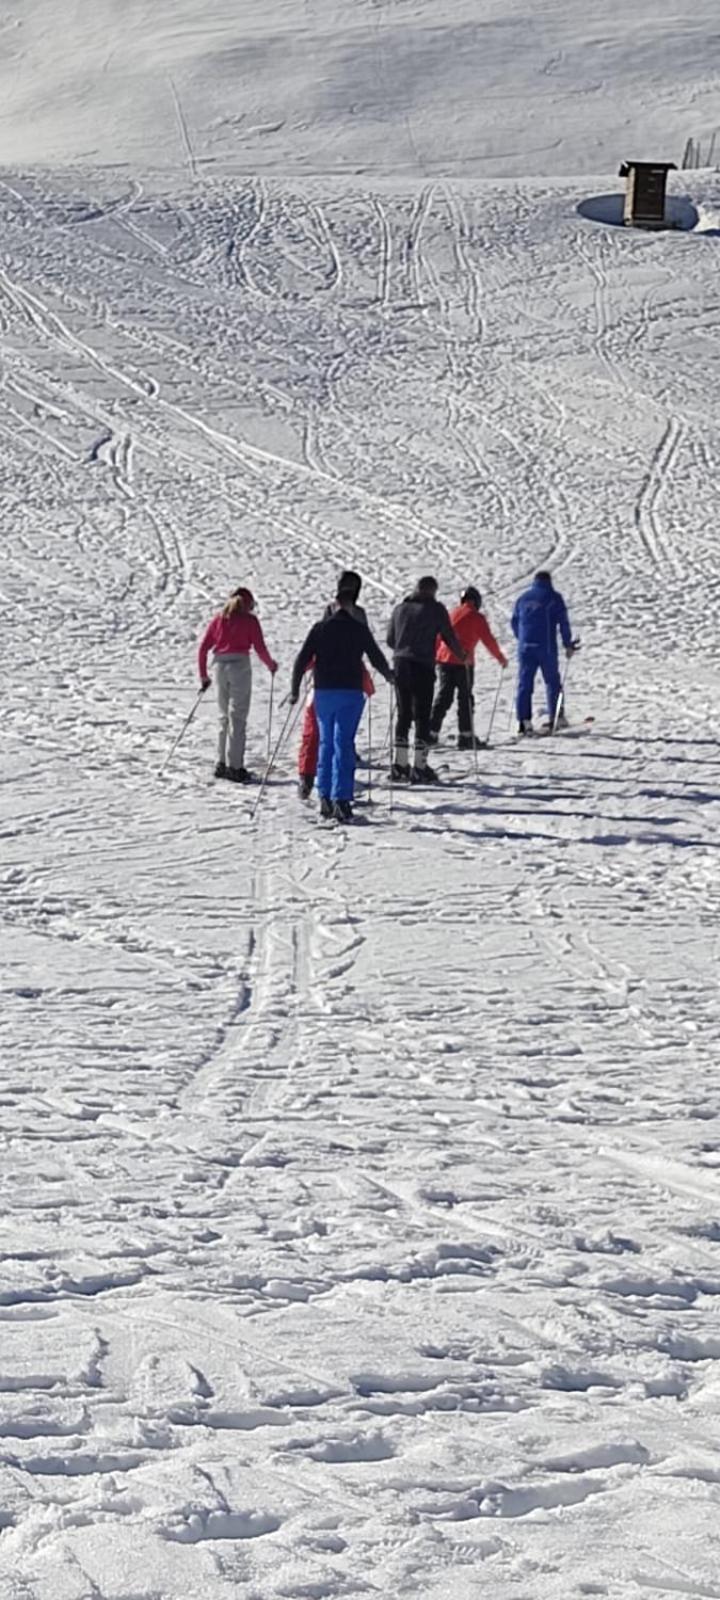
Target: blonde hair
240,600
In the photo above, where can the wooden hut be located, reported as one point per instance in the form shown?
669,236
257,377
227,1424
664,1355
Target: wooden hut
645,193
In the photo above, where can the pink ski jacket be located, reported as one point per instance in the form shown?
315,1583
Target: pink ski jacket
234,636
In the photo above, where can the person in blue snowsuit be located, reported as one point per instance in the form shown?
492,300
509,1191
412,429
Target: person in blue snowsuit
540,613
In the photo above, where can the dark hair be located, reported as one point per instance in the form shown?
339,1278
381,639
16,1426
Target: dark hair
471,596
543,577
346,594
425,584
350,581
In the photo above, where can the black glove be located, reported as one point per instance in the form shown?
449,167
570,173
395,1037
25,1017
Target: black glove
205,684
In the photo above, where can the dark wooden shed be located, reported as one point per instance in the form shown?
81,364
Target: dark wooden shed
645,193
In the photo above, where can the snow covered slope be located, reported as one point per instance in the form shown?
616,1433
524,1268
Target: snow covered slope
482,87
360,1214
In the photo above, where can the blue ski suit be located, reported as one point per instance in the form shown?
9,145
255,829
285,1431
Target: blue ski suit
540,612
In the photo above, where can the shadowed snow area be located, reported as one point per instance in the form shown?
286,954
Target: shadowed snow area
468,87
680,213
359,1188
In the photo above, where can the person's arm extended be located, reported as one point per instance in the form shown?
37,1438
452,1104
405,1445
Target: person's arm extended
302,661
372,649
447,632
261,648
486,636
206,644
563,622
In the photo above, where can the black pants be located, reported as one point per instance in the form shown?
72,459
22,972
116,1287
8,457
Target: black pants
454,680
414,688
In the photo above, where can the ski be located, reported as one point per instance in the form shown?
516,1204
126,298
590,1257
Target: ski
573,731
573,728
449,780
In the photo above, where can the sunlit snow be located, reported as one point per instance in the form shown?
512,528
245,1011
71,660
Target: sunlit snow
360,1226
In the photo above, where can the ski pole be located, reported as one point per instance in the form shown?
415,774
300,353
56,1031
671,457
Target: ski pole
471,706
495,706
370,757
293,712
389,740
513,700
560,705
386,741
183,731
270,718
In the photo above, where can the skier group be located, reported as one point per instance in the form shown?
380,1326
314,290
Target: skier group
433,654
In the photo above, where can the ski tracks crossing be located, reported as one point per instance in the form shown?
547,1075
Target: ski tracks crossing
282,1079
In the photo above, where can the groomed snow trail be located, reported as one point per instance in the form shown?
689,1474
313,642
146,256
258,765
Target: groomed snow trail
360,1196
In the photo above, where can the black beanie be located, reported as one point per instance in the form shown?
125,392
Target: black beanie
350,583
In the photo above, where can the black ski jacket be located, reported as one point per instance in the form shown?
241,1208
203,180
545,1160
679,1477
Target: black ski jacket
414,626
337,646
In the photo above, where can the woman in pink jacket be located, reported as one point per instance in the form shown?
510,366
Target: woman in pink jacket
231,635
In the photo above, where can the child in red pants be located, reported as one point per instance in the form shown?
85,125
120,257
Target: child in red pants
308,752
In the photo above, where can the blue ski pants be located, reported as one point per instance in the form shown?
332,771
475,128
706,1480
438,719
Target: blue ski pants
338,713
530,662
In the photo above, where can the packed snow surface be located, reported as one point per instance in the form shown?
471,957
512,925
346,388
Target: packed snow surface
360,1226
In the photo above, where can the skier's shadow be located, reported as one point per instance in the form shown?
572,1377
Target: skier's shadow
672,760
628,738
554,811
532,836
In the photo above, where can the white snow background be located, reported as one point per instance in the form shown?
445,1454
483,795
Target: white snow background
360,1195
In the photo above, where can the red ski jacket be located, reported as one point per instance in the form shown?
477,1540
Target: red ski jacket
472,628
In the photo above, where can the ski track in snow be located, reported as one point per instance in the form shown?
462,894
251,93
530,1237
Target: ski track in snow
647,519
361,1191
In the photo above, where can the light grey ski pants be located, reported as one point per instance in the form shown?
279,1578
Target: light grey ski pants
233,676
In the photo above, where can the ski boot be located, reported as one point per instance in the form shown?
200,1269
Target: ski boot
399,773
342,811
327,809
469,741
221,770
523,729
424,775
305,785
239,775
